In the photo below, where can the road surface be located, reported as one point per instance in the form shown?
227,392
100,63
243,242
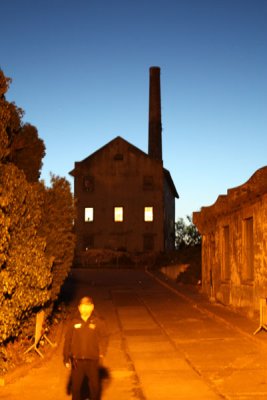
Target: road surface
161,346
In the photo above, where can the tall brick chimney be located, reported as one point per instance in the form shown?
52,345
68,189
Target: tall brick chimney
154,129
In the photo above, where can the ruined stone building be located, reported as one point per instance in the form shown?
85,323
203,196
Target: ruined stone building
234,244
125,197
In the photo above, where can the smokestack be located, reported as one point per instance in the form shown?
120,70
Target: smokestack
154,130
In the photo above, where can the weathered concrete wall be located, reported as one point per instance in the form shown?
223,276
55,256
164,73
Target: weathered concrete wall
234,244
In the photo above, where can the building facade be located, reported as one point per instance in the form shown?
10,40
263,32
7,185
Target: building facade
234,244
126,198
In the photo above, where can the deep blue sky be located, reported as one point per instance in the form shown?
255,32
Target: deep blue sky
80,70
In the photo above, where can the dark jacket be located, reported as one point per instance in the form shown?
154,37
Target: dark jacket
84,340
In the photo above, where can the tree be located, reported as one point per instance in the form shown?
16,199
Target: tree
4,116
27,152
186,234
25,271
19,142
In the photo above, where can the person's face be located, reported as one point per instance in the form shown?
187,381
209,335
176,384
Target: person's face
86,310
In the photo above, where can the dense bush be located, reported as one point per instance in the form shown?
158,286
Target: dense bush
25,271
57,229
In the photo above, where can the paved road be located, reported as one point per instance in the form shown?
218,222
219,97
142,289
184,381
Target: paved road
162,345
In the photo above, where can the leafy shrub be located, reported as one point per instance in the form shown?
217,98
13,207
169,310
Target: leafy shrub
25,272
57,229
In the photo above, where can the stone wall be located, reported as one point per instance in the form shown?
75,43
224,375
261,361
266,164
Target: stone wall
234,244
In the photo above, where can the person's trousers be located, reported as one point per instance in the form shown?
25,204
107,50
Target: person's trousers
82,369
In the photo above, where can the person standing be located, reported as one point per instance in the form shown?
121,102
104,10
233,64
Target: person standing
84,346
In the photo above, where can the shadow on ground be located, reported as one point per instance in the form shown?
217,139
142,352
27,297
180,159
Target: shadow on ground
85,392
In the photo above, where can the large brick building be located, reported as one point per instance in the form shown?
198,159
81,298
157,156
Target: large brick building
234,244
125,197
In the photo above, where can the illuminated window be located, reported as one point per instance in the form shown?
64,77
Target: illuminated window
148,214
89,214
118,214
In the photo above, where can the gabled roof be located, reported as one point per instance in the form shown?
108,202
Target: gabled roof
116,139
136,150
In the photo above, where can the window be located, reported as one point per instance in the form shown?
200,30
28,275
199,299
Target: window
89,214
248,249
118,157
226,271
148,214
148,182
88,242
118,214
88,183
148,242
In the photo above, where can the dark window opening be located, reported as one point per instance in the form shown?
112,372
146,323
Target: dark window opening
148,182
89,183
118,157
88,242
248,249
148,242
226,270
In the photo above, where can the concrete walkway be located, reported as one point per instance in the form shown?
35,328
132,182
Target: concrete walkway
165,342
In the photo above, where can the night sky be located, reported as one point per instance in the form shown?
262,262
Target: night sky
80,70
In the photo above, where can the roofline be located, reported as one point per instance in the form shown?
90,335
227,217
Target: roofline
171,183
107,144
